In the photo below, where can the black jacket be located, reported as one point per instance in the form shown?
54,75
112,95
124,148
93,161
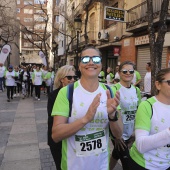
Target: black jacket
22,74
51,99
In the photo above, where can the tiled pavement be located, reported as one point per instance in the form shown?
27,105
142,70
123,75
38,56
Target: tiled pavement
23,135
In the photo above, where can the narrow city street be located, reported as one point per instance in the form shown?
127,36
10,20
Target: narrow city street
23,135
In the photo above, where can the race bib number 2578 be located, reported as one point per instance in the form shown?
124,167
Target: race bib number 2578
91,144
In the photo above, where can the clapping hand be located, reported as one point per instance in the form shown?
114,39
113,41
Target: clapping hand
93,108
112,103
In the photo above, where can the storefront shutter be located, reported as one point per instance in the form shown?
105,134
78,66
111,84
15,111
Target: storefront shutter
143,56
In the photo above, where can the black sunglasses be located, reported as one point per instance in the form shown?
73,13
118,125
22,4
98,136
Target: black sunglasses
71,77
126,71
95,59
166,81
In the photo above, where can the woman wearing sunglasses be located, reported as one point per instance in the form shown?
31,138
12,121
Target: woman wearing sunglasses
129,100
85,134
65,75
151,149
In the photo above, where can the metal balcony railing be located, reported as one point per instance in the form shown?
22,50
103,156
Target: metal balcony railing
138,14
79,9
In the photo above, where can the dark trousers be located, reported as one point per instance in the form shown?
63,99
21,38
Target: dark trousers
4,82
134,166
56,153
48,89
28,88
17,88
37,90
10,91
31,88
1,82
44,85
123,155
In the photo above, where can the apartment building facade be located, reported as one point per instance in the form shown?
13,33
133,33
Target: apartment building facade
8,30
101,33
33,15
136,47
118,41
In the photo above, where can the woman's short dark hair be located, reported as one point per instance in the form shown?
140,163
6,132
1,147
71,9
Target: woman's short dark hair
161,74
126,63
149,64
91,47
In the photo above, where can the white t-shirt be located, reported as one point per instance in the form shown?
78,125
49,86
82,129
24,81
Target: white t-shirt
147,82
38,78
90,137
2,71
128,106
10,81
117,76
25,76
155,121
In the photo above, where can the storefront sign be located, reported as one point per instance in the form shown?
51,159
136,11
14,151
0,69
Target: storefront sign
114,14
116,51
142,40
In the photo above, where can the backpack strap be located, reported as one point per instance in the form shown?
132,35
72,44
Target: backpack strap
150,106
70,89
138,95
111,92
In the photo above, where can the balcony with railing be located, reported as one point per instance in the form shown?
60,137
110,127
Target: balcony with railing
91,40
137,17
78,10
86,2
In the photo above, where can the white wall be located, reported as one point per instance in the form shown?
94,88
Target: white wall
61,44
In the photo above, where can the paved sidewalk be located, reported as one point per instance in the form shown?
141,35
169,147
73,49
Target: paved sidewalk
23,135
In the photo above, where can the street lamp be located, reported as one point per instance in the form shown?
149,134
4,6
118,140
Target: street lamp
77,25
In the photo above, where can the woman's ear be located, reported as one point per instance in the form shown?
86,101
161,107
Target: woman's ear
61,81
158,85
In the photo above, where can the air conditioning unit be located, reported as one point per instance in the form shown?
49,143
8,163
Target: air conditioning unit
103,35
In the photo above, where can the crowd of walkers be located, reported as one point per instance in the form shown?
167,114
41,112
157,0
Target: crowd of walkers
83,114
22,80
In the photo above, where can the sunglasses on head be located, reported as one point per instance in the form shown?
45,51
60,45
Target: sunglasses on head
126,71
95,59
71,77
166,81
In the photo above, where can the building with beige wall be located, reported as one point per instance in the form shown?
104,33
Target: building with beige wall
8,30
136,47
101,33
118,41
36,29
